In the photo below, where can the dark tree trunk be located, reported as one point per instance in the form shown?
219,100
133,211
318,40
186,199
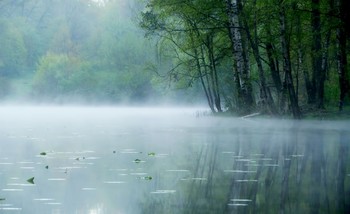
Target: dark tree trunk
310,91
273,67
201,77
342,56
265,93
213,73
275,71
325,50
324,69
287,65
316,52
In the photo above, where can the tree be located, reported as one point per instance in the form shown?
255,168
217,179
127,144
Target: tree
266,98
288,79
240,54
317,76
244,55
13,52
342,52
191,31
53,75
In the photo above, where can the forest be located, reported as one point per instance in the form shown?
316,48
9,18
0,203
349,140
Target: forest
276,57
88,90
74,51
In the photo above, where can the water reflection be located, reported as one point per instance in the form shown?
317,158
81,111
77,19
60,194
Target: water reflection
112,160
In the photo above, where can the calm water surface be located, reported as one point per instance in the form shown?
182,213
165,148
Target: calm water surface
163,160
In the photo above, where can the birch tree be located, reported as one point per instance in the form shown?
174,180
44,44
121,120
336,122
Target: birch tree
240,56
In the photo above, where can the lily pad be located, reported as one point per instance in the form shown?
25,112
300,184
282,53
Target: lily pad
151,154
148,178
43,153
31,180
137,160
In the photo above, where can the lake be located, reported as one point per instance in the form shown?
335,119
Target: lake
169,160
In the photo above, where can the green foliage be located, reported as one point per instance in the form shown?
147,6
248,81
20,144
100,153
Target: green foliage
13,52
54,74
332,90
187,26
61,42
193,40
73,51
84,50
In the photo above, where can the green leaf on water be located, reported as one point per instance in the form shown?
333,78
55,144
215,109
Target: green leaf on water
151,154
31,180
43,153
46,167
148,178
137,160
2,199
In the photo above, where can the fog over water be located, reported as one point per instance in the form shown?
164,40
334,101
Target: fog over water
169,160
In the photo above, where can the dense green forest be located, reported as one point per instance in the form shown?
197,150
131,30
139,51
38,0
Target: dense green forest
78,51
280,57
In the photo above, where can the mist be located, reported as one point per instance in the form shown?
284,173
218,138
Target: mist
168,160
130,106
82,52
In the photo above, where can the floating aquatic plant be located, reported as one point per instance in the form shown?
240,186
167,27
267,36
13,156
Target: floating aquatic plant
2,199
137,160
43,153
151,154
148,178
31,180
